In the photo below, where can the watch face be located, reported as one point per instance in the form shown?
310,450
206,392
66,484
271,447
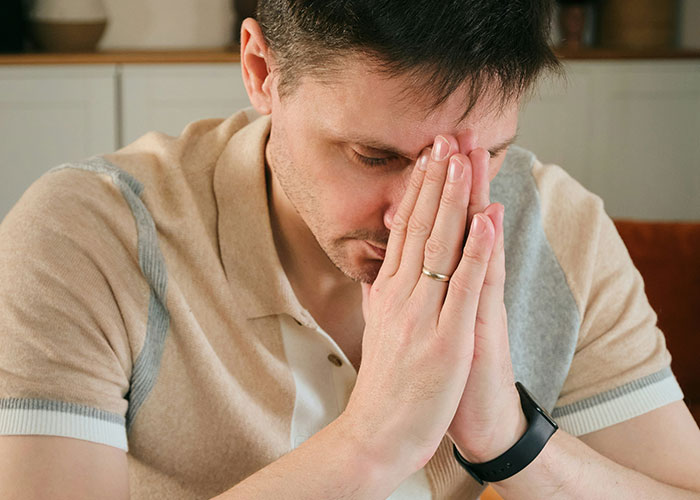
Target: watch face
535,406
546,415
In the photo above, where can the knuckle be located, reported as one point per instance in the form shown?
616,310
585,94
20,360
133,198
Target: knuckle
415,182
494,280
480,321
434,175
435,249
418,227
454,194
399,223
474,256
452,200
464,284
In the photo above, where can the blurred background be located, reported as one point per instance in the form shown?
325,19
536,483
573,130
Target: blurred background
82,77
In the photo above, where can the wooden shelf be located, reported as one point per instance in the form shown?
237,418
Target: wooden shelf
125,57
604,53
232,55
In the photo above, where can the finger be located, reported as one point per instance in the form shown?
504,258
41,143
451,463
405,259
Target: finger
399,223
454,144
442,250
489,323
467,141
421,221
459,311
479,198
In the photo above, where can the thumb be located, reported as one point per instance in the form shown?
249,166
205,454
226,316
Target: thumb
366,287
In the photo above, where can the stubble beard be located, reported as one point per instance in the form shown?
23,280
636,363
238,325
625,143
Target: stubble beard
301,195
366,274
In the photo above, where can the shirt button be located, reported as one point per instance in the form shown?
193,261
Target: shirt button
335,360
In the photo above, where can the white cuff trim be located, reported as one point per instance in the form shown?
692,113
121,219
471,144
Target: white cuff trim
58,423
626,406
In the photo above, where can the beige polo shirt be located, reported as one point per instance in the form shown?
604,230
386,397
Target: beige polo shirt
143,306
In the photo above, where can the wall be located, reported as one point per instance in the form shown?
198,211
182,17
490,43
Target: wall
168,24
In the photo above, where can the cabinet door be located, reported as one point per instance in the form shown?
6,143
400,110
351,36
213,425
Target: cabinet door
646,135
627,130
167,97
555,123
50,115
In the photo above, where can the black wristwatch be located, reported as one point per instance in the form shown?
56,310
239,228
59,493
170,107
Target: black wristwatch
540,427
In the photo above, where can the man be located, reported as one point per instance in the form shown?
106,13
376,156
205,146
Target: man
289,306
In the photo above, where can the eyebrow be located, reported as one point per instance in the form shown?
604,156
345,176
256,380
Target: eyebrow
387,148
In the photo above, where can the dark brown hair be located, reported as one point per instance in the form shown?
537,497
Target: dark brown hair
439,44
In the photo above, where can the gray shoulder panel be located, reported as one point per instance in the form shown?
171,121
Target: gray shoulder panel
543,318
152,264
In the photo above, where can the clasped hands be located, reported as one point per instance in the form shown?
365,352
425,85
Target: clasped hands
435,356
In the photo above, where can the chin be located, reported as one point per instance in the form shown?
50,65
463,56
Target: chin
368,273
357,264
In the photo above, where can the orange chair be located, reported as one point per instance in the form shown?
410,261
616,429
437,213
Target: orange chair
667,254
490,494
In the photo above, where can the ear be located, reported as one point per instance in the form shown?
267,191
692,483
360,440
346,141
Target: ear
255,67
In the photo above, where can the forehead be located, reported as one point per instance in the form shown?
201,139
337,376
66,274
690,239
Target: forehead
362,100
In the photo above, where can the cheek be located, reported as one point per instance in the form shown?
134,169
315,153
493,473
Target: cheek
350,203
356,204
346,186
347,195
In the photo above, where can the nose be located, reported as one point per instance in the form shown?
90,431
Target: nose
395,191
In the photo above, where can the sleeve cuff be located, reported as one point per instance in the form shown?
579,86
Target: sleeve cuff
617,405
58,418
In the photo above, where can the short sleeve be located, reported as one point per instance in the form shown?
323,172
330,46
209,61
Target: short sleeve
621,367
69,286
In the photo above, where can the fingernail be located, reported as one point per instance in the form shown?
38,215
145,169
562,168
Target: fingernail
441,148
423,161
478,225
454,173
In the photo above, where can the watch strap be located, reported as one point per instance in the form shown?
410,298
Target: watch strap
540,428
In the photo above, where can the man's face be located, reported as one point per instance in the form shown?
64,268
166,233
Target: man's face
319,133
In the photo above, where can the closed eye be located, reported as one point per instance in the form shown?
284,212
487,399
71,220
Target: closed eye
371,161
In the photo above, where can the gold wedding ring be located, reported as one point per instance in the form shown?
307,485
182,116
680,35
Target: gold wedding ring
435,276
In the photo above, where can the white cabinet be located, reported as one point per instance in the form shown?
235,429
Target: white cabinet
646,162
49,115
628,131
554,122
53,114
168,97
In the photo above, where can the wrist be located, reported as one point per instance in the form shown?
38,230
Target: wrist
382,462
506,432
540,428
